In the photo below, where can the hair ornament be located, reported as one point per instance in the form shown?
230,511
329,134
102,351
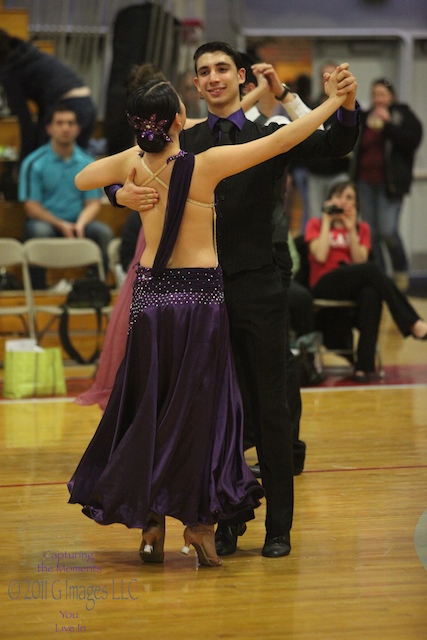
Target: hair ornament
148,128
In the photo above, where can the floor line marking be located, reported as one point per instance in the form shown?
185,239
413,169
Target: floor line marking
343,470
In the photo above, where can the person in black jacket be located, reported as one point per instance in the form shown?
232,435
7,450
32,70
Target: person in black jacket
27,73
254,291
390,135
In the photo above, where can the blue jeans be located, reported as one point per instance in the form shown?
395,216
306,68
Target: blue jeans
96,231
382,214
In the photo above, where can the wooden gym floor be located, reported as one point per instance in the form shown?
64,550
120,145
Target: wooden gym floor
358,566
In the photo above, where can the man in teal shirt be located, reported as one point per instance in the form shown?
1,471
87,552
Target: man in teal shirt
53,204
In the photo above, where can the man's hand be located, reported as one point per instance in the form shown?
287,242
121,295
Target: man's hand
79,229
346,85
134,197
261,77
68,229
270,74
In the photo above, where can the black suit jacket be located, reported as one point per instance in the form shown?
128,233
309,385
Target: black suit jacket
245,201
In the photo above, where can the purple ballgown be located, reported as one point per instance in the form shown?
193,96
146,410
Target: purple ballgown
171,438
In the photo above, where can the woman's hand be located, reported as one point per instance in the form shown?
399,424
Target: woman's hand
346,215
342,83
267,77
327,216
319,247
349,216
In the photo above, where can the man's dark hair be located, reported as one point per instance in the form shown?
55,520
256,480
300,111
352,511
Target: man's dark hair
211,47
60,107
248,61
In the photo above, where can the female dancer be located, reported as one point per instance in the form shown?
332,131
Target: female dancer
170,440
339,249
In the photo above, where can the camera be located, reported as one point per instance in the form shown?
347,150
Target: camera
332,209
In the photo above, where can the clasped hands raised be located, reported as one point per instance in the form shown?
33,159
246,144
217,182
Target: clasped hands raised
342,81
346,82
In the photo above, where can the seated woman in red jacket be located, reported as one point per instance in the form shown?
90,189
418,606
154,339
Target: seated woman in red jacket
339,247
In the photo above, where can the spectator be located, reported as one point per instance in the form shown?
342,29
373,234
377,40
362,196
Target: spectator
339,247
27,73
390,135
53,204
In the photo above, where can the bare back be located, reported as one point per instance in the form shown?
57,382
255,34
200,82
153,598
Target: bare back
195,245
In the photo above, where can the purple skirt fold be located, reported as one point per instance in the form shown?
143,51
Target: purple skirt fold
171,437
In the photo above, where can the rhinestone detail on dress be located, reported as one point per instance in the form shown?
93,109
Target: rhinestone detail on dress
175,287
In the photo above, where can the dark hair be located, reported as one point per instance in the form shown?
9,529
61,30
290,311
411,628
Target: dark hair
247,62
59,107
142,73
151,110
336,189
385,82
211,47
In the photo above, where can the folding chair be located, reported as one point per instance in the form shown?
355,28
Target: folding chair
321,303
63,253
325,303
116,268
12,254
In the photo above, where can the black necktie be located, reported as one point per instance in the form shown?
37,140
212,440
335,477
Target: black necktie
226,127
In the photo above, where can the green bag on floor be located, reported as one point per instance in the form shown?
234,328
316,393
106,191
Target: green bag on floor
29,374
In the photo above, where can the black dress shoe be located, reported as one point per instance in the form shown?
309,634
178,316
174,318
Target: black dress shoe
277,547
226,538
257,471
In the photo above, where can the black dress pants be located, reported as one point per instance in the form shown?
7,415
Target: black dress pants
256,305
